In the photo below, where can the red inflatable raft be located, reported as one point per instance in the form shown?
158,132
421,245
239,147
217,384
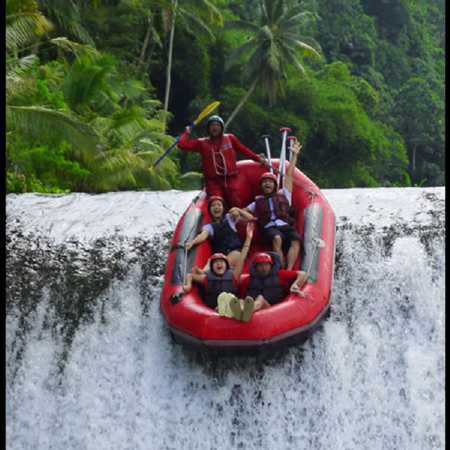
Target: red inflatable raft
192,322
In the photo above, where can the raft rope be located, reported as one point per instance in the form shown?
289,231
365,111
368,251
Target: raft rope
220,167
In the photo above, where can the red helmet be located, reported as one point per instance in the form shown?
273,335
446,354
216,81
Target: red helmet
214,198
269,176
262,258
217,256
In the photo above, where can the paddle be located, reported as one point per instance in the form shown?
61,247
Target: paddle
269,157
282,166
205,112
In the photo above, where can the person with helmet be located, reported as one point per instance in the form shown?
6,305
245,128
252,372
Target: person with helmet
268,283
218,153
221,279
222,230
272,211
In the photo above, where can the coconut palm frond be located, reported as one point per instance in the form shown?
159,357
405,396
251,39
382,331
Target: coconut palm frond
148,146
127,133
190,19
308,49
296,20
37,122
25,29
243,25
118,159
86,79
239,52
66,14
289,54
17,86
274,9
17,80
79,50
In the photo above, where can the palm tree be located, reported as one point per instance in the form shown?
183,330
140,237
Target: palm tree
24,29
197,13
274,44
111,146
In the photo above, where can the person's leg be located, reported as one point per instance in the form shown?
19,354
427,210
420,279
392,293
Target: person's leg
293,253
277,246
292,239
236,308
261,303
213,186
223,304
232,193
248,306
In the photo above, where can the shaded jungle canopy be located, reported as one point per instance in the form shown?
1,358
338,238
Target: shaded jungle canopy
361,83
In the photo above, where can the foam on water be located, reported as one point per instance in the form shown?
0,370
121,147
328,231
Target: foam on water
371,378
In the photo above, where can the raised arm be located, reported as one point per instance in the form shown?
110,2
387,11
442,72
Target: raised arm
185,143
244,252
295,150
202,237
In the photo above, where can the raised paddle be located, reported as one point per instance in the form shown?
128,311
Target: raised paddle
282,165
269,157
205,112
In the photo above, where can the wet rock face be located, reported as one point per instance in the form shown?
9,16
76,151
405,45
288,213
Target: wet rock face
73,277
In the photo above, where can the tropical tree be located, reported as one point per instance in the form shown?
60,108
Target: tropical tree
274,44
191,14
24,28
81,108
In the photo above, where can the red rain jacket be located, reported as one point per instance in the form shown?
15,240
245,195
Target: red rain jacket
218,154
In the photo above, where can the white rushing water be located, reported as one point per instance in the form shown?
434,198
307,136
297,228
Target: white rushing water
371,378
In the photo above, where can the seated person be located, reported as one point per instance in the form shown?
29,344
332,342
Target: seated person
272,211
221,278
267,281
221,231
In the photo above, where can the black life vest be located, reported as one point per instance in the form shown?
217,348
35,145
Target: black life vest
269,287
224,239
216,285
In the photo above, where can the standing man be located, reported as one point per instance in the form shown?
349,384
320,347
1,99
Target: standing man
218,152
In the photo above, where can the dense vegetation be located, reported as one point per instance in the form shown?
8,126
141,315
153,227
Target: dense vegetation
96,90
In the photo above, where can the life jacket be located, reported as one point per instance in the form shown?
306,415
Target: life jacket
224,239
280,205
218,156
269,286
216,285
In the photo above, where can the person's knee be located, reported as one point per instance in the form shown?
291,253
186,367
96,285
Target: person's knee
277,241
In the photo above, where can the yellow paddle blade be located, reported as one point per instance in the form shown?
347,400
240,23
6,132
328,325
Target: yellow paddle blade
208,110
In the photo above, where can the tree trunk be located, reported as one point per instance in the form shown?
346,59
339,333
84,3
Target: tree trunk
244,99
146,40
169,62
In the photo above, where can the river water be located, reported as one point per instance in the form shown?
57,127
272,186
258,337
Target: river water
90,364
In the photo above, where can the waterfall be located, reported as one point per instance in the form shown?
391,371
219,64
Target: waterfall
90,363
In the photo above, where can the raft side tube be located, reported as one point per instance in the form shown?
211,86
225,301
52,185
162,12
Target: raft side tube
297,335
190,227
312,235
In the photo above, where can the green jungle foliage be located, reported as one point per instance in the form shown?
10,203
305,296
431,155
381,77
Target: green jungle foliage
90,107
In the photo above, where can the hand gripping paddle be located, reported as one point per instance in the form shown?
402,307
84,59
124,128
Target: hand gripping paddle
205,112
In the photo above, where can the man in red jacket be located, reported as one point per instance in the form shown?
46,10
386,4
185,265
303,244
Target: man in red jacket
218,152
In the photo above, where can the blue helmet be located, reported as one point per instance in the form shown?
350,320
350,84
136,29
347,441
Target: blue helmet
217,119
